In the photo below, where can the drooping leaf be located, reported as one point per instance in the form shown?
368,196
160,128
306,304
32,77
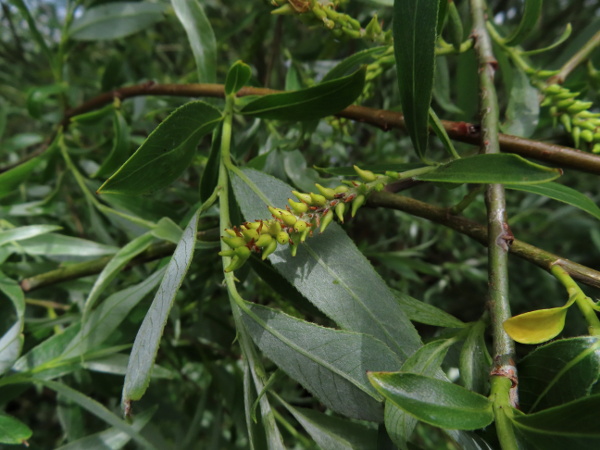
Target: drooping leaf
166,153
325,270
415,35
322,100
523,110
98,410
325,361
115,20
13,431
531,13
333,432
572,425
200,36
148,337
439,403
563,37
563,194
440,132
497,168
559,372
238,75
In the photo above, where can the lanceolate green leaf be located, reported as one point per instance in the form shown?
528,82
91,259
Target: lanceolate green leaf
439,403
13,431
498,168
415,35
25,232
563,194
11,342
352,62
322,100
531,13
166,153
115,20
330,271
200,36
323,360
97,409
148,338
239,74
572,425
422,312
120,148
331,432
559,372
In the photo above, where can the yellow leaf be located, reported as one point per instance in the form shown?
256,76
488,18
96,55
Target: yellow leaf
538,326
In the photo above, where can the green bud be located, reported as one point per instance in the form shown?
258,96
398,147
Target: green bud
326,220
596,148
391,174
341,189
566,94
283,10
252,225
340,209
243,252
587,135
579,106
365,175
264,240
283,237
236,263
288,218
357,203
234,242
318,200
305,234
298,207
274,228
250,234
553,88
303,197
373,29
328,193
227,253
566,121
269,249
300,226
565,103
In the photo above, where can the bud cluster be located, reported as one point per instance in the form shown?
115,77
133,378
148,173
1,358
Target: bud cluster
294,224
340,24
574,115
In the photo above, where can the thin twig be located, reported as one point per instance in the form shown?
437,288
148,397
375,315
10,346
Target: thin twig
581,56
565,157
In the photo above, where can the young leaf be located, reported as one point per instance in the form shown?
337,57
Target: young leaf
572,425
325,270
415,35
439,403
323,360
200,36
25,232
352,62
324,99
561,193
538,326
13,431
559,372
239,74
147,341
115,20
166,153
487,169
531,13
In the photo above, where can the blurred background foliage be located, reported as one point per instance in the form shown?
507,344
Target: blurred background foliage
200,404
